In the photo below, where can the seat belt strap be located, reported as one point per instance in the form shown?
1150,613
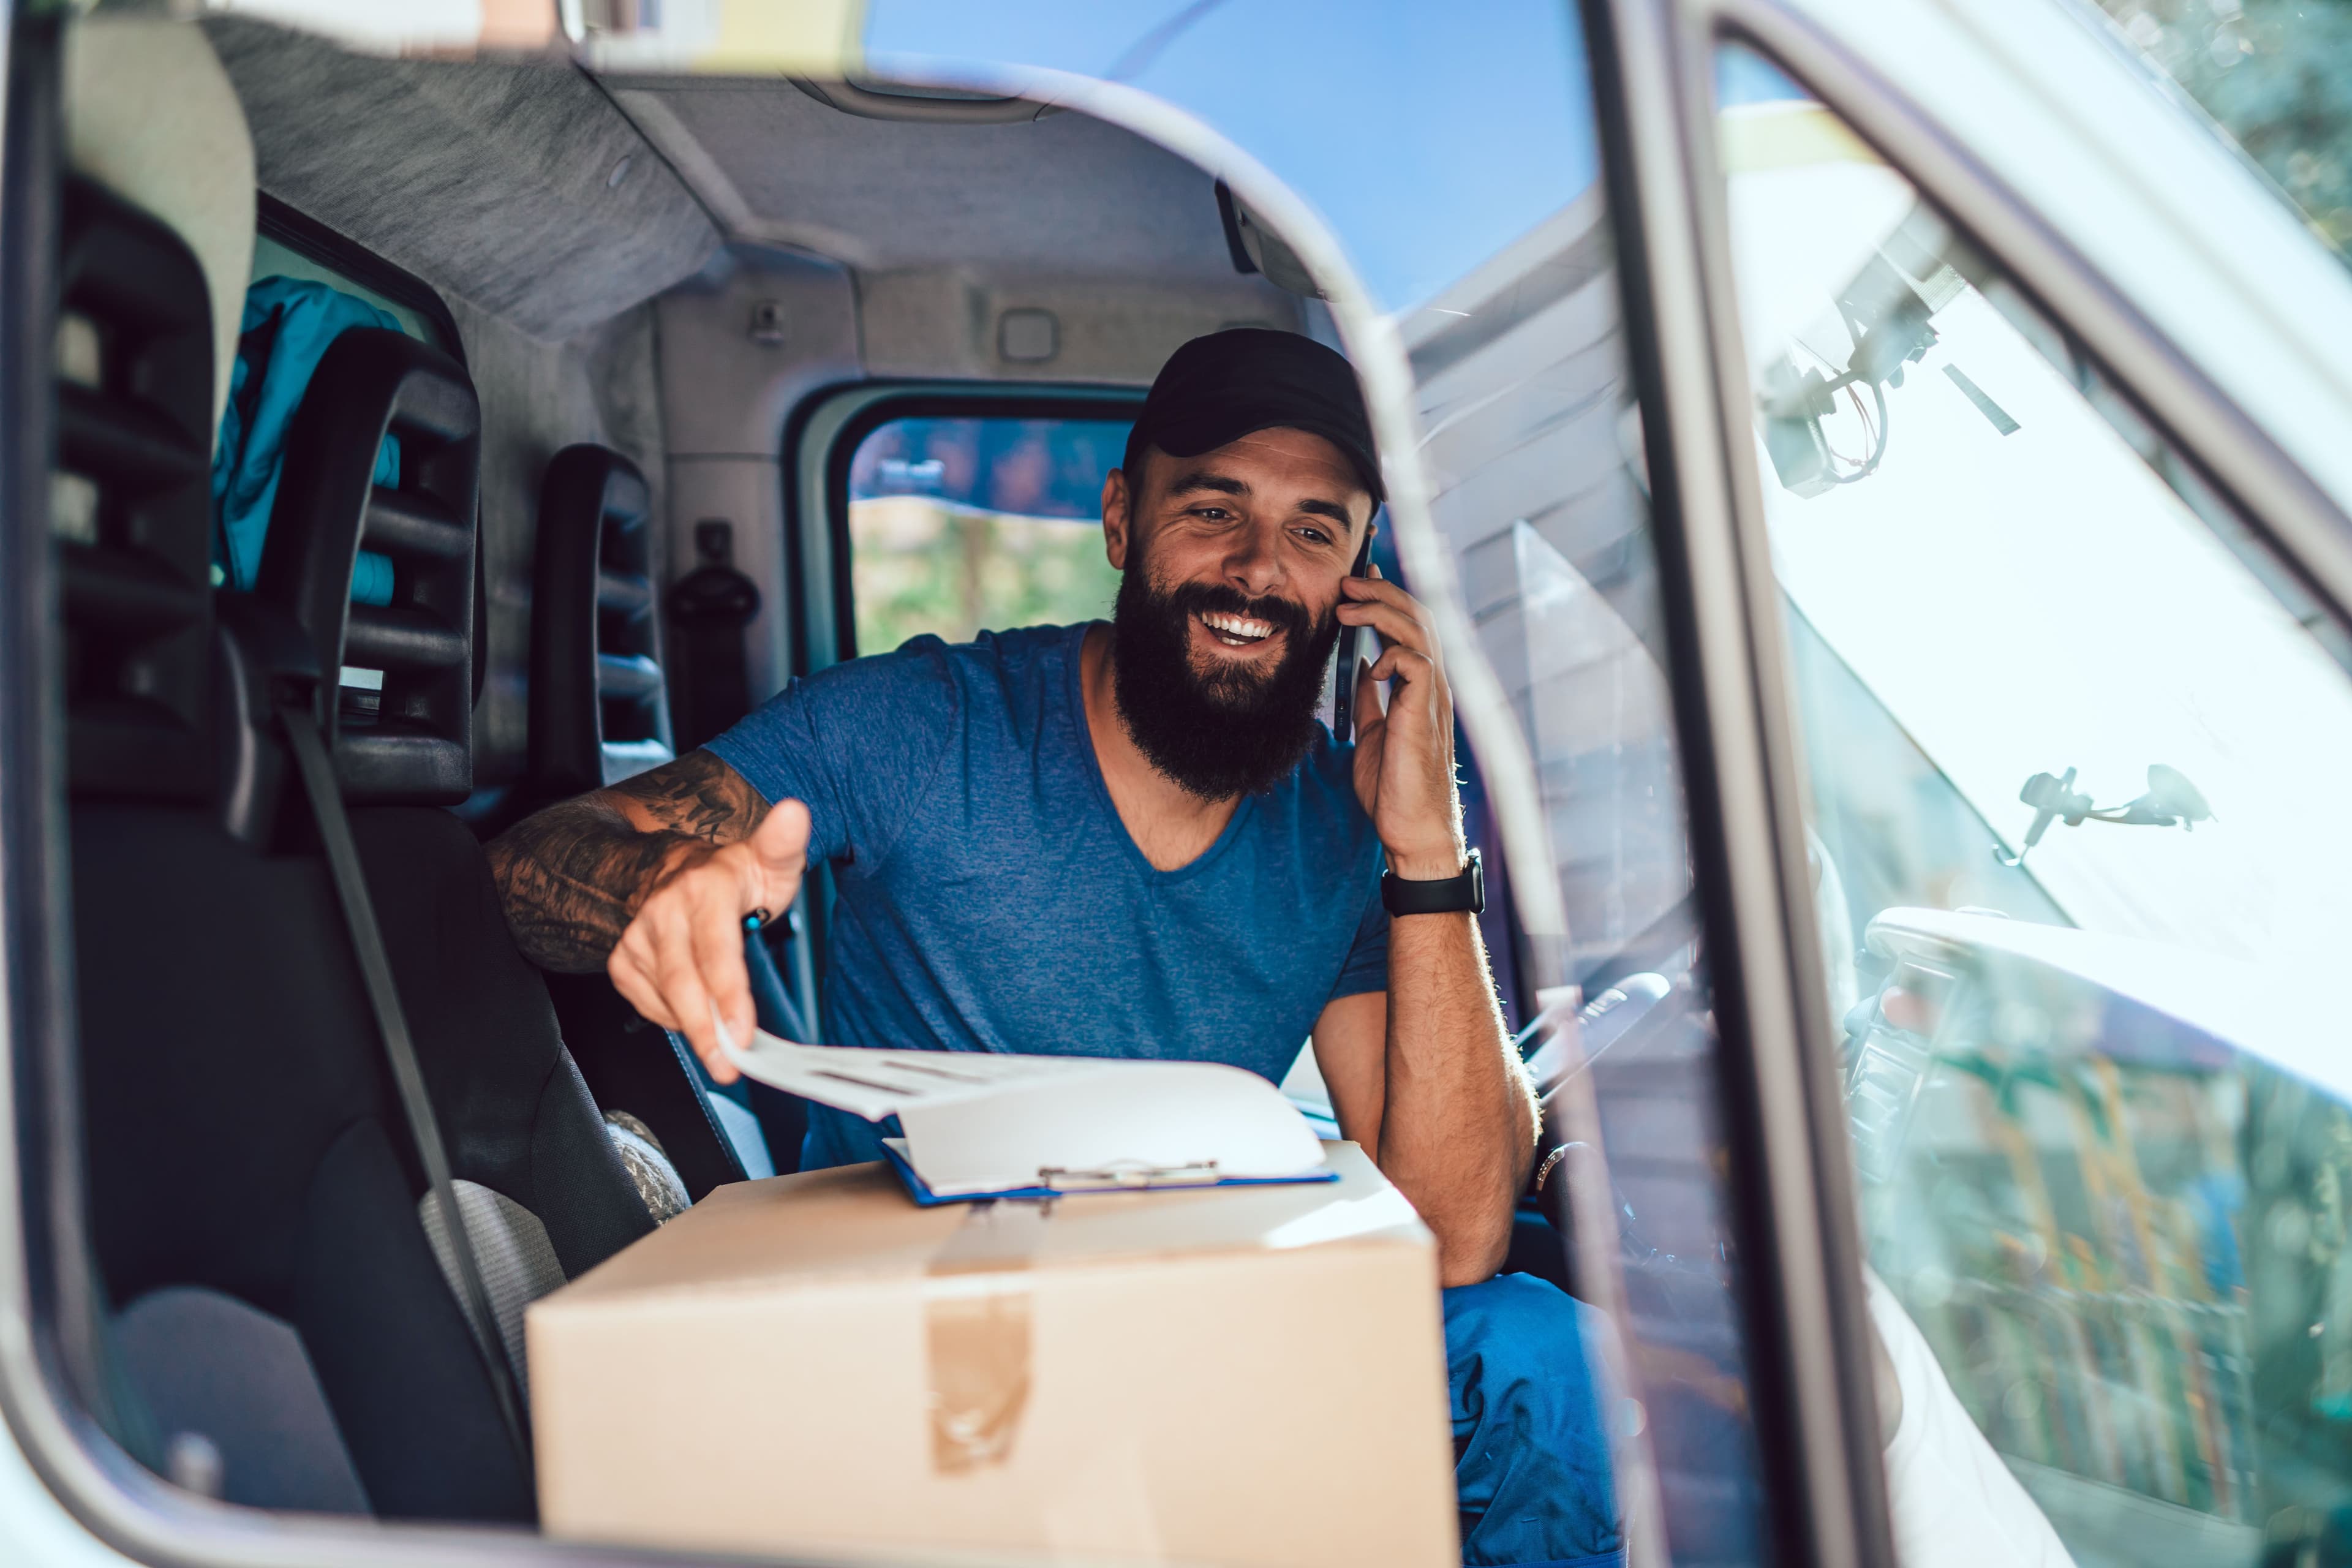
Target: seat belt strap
310,760
709,609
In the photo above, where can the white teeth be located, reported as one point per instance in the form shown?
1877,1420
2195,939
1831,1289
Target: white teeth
1237,625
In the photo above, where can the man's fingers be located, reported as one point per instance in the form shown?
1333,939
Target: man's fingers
1417,693
688,998
1417,670
630,978
718,945
1381,592
1370,712
668,968
1393,623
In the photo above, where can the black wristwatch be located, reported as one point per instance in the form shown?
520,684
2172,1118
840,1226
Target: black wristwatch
1444,896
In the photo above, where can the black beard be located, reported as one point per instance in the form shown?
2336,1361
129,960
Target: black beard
1228,733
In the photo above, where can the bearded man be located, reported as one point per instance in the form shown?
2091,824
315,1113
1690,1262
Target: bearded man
1140,840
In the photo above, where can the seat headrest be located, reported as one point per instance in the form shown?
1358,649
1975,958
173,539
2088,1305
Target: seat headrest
132,500
599,712
408,741
151,116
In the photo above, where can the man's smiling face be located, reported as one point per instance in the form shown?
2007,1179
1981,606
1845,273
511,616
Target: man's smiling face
1232,562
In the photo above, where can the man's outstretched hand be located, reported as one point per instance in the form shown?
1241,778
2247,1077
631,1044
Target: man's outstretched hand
682,955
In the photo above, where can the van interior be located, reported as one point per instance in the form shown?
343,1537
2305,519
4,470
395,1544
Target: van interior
428,441
436,440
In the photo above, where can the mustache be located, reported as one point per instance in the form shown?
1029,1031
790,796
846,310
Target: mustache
1286,615
1219,733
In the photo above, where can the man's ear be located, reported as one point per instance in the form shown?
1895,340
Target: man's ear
1116,519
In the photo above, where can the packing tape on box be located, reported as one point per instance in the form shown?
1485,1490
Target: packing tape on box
976,1329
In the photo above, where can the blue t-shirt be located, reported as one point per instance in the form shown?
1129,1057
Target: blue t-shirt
989,898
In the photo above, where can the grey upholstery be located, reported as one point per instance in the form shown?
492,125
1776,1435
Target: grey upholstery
519,1264
210,1366
504,183
518,1260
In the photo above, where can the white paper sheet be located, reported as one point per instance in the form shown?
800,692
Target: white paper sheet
877,1084
981,1123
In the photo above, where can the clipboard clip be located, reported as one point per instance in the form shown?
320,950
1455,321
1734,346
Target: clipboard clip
1062,1178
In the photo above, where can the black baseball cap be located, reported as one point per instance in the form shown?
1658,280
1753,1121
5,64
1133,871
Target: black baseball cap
1224,386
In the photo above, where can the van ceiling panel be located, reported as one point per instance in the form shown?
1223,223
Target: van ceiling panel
503,185
1062,198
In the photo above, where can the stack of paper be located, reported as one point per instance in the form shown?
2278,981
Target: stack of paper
979,1125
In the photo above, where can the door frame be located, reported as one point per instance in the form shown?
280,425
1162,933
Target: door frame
1654,72
1799,1260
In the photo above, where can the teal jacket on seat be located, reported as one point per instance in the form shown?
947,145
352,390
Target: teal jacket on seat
287,324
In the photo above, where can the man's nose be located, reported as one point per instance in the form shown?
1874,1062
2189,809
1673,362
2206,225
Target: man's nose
1253,564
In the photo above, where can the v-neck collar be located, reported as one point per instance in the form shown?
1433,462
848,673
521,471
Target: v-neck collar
1082,734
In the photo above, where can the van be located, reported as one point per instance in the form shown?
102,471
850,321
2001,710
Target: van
1875,470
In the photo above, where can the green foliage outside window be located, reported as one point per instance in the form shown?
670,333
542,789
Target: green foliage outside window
2277,75
963,523
920,566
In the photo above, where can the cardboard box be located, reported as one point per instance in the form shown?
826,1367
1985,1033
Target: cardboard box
812,1364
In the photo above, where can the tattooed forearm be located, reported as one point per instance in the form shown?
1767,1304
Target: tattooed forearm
698,796
571,877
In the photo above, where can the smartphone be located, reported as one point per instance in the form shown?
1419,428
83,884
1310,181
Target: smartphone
1343,665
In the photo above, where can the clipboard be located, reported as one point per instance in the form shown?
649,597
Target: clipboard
979,1125
895,1150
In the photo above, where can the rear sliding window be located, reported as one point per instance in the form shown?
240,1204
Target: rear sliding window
963,524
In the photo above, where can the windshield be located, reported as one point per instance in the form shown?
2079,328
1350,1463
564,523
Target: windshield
2070,736
1996,472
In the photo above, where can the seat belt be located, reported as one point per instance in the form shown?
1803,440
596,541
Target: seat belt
708,609
310,760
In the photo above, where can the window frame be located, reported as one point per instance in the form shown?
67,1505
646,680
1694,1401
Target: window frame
1654,72
821,441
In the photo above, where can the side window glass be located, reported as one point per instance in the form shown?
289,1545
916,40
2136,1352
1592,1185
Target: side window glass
2069,731
959,525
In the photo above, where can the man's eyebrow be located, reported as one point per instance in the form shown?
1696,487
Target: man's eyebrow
1329,509
1202,480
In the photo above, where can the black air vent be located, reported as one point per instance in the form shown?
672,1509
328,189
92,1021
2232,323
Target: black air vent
130,499
404,733
599,706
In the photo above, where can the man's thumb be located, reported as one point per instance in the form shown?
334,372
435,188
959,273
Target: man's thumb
781,841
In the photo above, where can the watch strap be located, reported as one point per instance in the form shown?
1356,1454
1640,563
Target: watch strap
1464,893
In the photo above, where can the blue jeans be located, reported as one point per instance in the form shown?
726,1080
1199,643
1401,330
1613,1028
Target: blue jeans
1532,1447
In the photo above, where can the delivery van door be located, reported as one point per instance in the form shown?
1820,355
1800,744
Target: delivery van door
1943,458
